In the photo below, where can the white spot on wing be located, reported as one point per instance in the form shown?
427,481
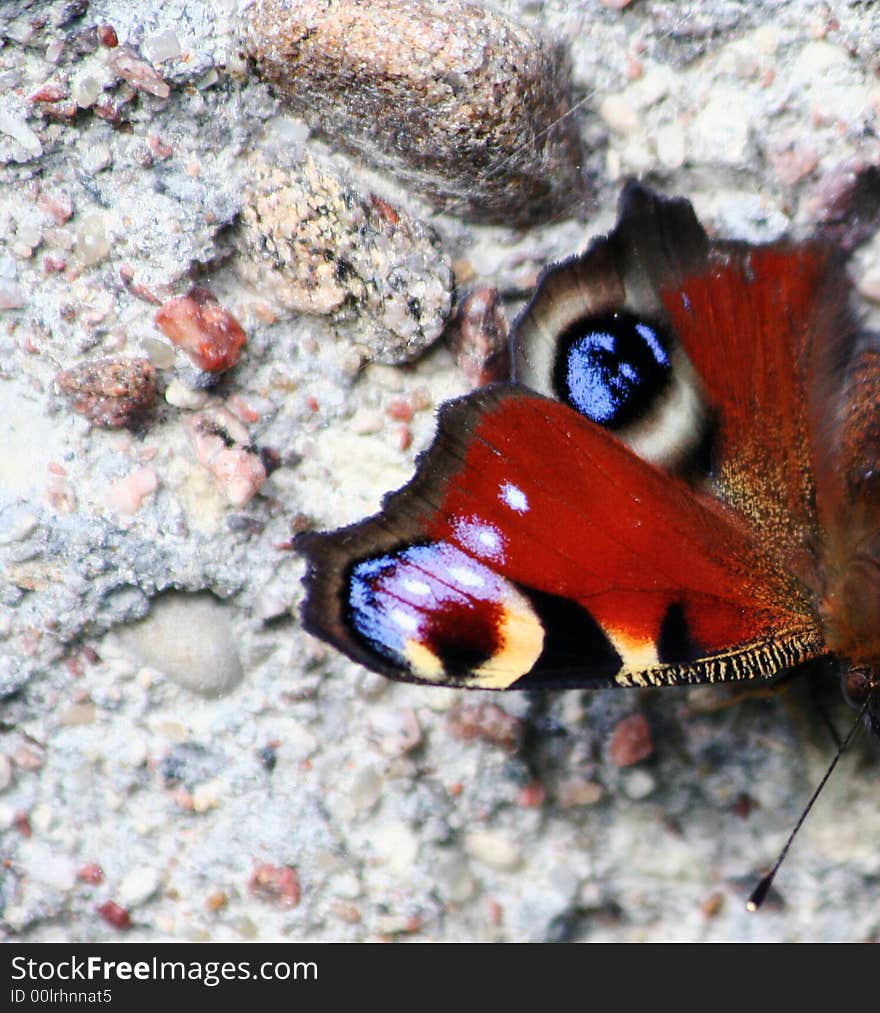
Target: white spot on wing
514,497
489,538
405,620
480,539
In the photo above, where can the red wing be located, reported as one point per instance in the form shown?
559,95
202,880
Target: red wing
748,324
532,547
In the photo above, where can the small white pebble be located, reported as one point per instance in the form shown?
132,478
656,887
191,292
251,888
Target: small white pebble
765,39
97,157
77,714
92,244
818,58
181,396
392,925
670,143
14,126
29,234
52,870
366,789
578,791
6,774
173,731
346,885
619,114
162,46
638,784
160,353
54,50
207,796
397,846
41,817
367,421
649,89
494,849
85,91
395,729
138,886
189,638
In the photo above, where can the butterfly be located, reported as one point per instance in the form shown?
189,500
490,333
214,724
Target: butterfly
679,484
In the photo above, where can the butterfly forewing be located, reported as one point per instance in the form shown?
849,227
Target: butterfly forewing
564,560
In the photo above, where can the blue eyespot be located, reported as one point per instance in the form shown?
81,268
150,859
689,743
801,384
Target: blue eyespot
432,595
611,367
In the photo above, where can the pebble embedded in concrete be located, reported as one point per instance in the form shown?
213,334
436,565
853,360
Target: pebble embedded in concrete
314,244
493,848
188,637
415,88
138,886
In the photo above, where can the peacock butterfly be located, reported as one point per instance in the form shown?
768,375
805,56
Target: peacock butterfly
679,484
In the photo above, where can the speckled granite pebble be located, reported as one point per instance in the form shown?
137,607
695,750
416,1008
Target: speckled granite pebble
316,245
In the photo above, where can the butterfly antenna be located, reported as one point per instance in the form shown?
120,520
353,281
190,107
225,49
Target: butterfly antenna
759,894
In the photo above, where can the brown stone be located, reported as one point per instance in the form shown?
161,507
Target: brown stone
464,106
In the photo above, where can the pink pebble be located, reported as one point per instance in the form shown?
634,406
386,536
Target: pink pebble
223,445
276,882
631,741
114,914
240,407
91,873
126,495
127,64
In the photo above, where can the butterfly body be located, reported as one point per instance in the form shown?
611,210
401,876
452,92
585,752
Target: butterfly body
679,484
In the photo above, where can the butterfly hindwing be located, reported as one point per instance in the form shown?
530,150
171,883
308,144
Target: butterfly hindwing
597,336
748,322
744,332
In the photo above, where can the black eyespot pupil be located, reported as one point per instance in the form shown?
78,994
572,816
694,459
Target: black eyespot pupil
610,367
